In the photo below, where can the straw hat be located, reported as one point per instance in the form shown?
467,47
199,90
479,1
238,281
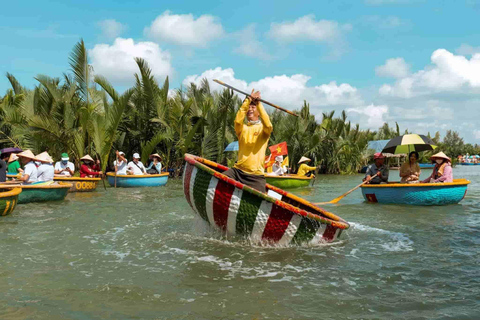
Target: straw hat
12,158
87,158
155,155
304,159
440,155
27,154
44,157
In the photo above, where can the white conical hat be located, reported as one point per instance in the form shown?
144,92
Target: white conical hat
12,158
44,157
27,154
303,159
86,157
440,155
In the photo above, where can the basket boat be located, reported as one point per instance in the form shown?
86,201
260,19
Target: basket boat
468,164
289,181
276,217
419,194
133,181
41,192
80,184
8,200
426,165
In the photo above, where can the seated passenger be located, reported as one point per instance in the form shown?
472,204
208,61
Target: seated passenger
88,169
45,170
136,167
64,168
304,168
378,172
14,165
277,168
29,167
410,170
155,166
442,172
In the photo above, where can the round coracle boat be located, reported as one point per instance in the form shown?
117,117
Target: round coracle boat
133,181
40,192
275,217
468,164
288,181
80,184
8,200
419,194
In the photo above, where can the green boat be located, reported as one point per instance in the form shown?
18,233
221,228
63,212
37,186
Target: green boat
8,200
289,181
42,193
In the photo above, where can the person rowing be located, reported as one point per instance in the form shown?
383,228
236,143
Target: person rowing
377,172
89,169
253,139
121,163
304,168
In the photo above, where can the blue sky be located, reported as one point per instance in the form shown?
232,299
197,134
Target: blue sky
382,60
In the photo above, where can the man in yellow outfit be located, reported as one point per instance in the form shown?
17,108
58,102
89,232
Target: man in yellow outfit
252,143
304,168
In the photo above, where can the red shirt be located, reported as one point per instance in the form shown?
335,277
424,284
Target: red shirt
86,171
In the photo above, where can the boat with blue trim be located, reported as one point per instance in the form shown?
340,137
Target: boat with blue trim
135,181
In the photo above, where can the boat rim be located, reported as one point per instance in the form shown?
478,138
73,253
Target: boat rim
292,176
332,219
456,182
111,174
60,185
12,192
75,179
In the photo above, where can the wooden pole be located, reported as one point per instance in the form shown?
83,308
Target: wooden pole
346,193
264,101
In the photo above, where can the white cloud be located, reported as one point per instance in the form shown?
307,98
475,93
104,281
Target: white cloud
467,50
116,62
372,115
476,134
184,29
394,67
254,49
448,72
288,91
111,28
307,28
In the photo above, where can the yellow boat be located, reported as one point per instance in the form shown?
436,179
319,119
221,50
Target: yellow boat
80,184
8,200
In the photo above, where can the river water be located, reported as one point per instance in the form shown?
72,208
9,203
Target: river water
142,254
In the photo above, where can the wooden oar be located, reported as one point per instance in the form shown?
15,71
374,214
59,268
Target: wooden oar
346,193
103,179
264,101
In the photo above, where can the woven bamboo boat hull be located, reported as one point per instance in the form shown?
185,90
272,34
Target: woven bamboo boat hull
43,193
289,181
420,194
80,184
135,181
278,217
8,200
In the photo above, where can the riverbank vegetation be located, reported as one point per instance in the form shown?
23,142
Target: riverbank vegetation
82,113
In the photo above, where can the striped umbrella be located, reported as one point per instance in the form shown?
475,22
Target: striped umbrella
408,143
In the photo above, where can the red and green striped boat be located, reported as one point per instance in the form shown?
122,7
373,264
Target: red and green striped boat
276,217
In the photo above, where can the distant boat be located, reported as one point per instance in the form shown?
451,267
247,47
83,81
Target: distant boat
133,181
288,181
426,165
419,194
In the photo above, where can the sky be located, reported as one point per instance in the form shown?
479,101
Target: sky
408,61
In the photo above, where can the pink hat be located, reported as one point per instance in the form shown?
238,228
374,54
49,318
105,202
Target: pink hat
378,155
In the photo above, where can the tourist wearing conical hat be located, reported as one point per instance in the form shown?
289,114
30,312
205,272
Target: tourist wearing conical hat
304,168
442,172
64,168
155,166
29,167
89,169
45,171
253,139
14,165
